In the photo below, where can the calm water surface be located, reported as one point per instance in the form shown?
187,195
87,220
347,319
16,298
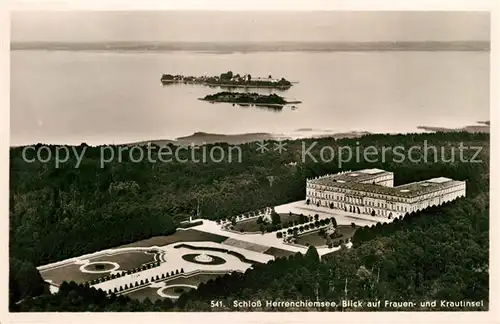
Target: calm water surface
108,97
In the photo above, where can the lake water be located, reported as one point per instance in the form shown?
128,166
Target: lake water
109,97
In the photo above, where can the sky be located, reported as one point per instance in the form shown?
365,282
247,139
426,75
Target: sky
104,26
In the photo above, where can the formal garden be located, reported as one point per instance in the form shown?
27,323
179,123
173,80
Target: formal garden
144,282
99,267
304,225
189,235
123,273
260,222
173,286
342,235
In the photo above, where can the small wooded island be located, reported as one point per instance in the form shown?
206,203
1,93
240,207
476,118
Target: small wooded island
243,98
228,80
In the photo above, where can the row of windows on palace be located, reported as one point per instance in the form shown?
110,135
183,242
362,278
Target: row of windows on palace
365,209
358,201
387,208
367,194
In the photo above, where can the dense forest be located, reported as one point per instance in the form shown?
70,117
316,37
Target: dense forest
56,213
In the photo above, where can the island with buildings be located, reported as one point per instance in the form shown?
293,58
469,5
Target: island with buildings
249,99
228,80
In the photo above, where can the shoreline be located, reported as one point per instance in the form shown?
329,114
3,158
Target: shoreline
482,127
201,138
249,46
253,103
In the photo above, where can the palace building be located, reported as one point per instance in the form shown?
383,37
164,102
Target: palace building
372,192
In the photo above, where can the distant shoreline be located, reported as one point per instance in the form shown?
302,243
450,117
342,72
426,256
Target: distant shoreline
201,138
231,47
485,128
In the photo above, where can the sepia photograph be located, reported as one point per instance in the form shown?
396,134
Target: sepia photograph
249,161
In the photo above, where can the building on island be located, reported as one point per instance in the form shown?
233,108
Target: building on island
372,192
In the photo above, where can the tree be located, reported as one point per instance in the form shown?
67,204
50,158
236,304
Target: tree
373,212
316,217
308,201
182,270
328,241
24,281
177,271
226,76
312,255
279,235
276,219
